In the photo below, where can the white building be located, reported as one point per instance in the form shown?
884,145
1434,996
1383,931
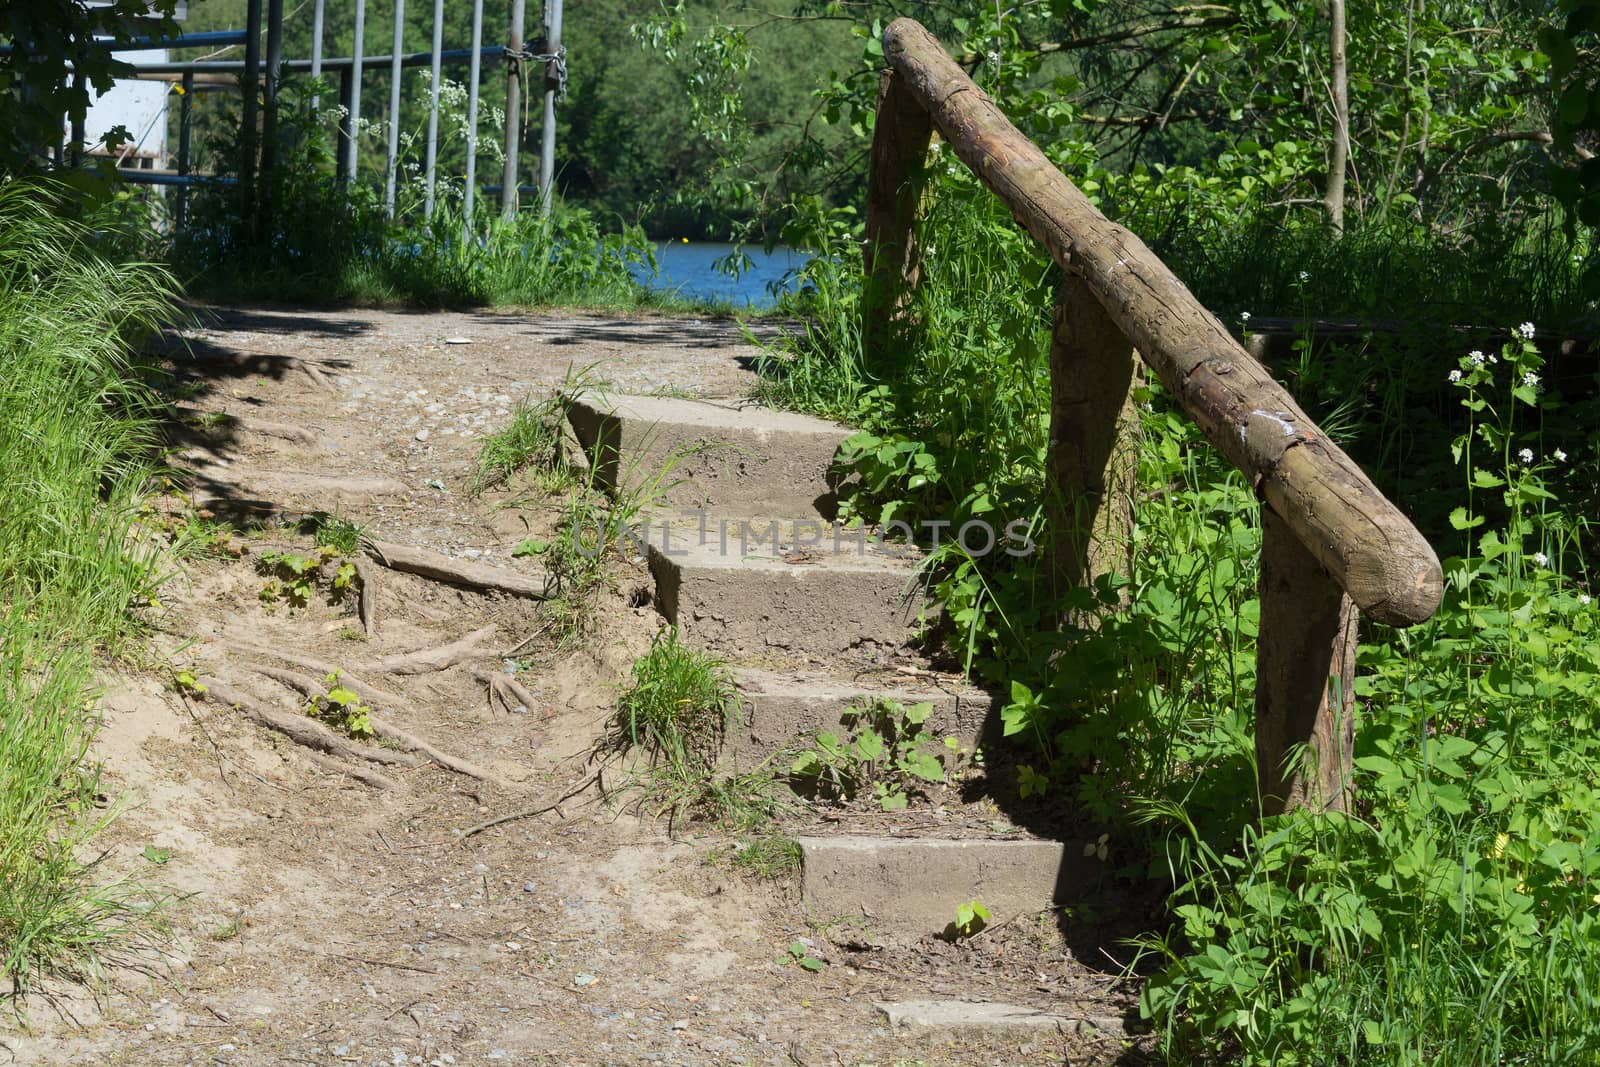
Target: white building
139,106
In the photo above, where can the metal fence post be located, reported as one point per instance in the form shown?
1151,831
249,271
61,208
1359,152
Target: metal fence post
394,108
316,48
269,114
508,179
247,87
185,130
547,147
433,105
357,54
472,112
347,131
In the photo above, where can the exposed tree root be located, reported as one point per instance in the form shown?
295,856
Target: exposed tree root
507,689
427,660
367,605
530,813
315,373
371,694
440,568
302,729
281,430
363,775
393,734
310,687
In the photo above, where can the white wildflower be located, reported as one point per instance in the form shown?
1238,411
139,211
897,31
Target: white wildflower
1583,598
1305,276
1526,330
1526,455
1541,559
1245,315
1561,457
1455,376
1493,358
1530,379
1476,357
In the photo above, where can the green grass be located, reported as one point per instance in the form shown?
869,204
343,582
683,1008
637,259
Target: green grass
532,439
76,440
679,703
768,858
337,532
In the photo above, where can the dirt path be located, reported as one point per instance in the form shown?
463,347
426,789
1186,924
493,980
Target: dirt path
326,921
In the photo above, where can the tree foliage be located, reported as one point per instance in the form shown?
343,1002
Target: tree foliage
60,51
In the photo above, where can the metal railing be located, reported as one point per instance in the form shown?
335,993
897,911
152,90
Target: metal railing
1332,545
258,156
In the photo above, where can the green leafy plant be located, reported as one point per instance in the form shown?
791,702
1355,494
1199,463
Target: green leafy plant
341,708
295,577
801,956
971,917
887,751
678,705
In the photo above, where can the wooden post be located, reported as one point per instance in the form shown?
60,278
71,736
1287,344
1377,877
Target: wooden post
1305,671
1094,434
900,139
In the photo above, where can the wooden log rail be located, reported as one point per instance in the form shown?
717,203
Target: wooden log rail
1331,543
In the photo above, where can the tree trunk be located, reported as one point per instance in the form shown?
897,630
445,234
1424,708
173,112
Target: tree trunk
1339,147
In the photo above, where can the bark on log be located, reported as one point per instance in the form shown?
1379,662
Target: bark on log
899,147
1305,676
1365,543
1094,442
441,568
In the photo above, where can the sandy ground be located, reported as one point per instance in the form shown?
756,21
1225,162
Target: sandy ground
318,920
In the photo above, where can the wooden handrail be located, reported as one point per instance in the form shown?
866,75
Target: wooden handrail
1364,541
1332,538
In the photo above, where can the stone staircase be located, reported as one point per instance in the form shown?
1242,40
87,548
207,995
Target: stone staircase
814,620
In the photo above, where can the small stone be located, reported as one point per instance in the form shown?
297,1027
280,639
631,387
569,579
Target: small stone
513,946
480,868
681,1024
584,979
421,435
529,887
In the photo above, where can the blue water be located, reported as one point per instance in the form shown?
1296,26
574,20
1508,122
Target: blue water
691,269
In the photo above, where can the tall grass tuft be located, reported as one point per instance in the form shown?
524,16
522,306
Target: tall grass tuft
76,439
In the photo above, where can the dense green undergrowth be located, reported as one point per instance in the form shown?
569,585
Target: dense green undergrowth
76,434
1452,916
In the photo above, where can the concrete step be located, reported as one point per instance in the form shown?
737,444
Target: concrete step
785,708
906,888
741,594
699,454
